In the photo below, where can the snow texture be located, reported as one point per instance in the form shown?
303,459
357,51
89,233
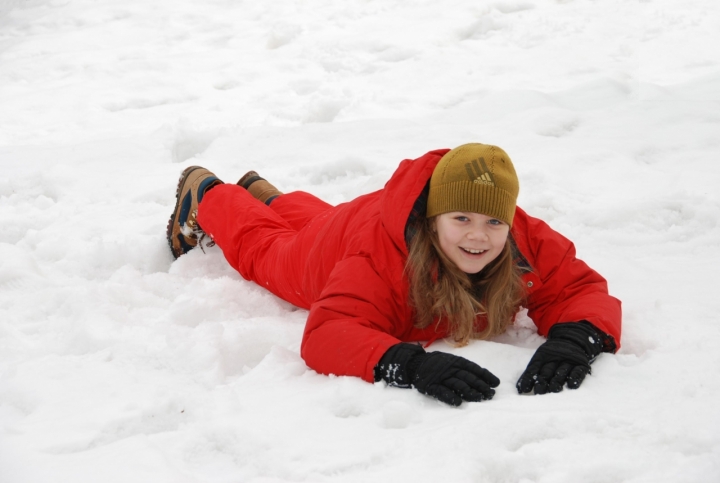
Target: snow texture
119,364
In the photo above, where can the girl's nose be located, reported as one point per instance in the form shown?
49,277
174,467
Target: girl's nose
478,234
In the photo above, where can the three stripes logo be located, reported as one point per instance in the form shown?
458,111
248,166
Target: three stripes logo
478,175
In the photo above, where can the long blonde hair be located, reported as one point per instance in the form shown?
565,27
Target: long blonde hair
439,290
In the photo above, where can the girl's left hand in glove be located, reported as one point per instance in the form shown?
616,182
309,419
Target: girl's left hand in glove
564,358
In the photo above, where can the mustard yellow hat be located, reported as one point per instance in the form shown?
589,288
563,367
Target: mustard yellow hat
477,178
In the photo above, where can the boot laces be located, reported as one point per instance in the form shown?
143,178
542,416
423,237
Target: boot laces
192,229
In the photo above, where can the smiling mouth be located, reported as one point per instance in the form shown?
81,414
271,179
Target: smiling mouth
473,252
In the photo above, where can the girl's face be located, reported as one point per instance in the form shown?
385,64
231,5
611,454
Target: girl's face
470,240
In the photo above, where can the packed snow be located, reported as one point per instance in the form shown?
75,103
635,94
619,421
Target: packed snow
120,364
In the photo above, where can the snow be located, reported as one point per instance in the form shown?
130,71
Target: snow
119,364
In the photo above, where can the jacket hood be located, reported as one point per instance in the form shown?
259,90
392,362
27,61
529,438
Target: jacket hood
401,191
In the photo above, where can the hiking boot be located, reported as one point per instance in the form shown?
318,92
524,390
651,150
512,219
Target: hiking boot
259,187
183,231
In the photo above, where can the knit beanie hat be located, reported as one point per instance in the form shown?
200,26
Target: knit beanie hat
477,178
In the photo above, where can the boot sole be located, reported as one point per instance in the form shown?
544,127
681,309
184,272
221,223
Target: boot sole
249,178
181,184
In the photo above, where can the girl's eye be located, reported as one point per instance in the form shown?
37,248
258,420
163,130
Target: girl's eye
495,222
462,218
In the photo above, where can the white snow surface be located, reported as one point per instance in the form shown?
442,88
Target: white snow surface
119,364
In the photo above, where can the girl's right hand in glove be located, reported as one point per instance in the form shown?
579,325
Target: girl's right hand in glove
451,379
446,377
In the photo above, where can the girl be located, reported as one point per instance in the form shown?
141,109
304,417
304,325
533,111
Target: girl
440,251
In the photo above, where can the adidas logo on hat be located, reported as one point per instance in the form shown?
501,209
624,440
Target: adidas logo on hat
477,175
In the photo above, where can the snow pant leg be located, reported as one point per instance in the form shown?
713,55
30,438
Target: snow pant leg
256,241
299,207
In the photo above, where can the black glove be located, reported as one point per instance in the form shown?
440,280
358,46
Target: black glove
564,357
448,378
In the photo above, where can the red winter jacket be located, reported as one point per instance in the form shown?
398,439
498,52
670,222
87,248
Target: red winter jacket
345,264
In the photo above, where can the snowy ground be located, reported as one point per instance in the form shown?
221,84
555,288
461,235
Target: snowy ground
118,364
